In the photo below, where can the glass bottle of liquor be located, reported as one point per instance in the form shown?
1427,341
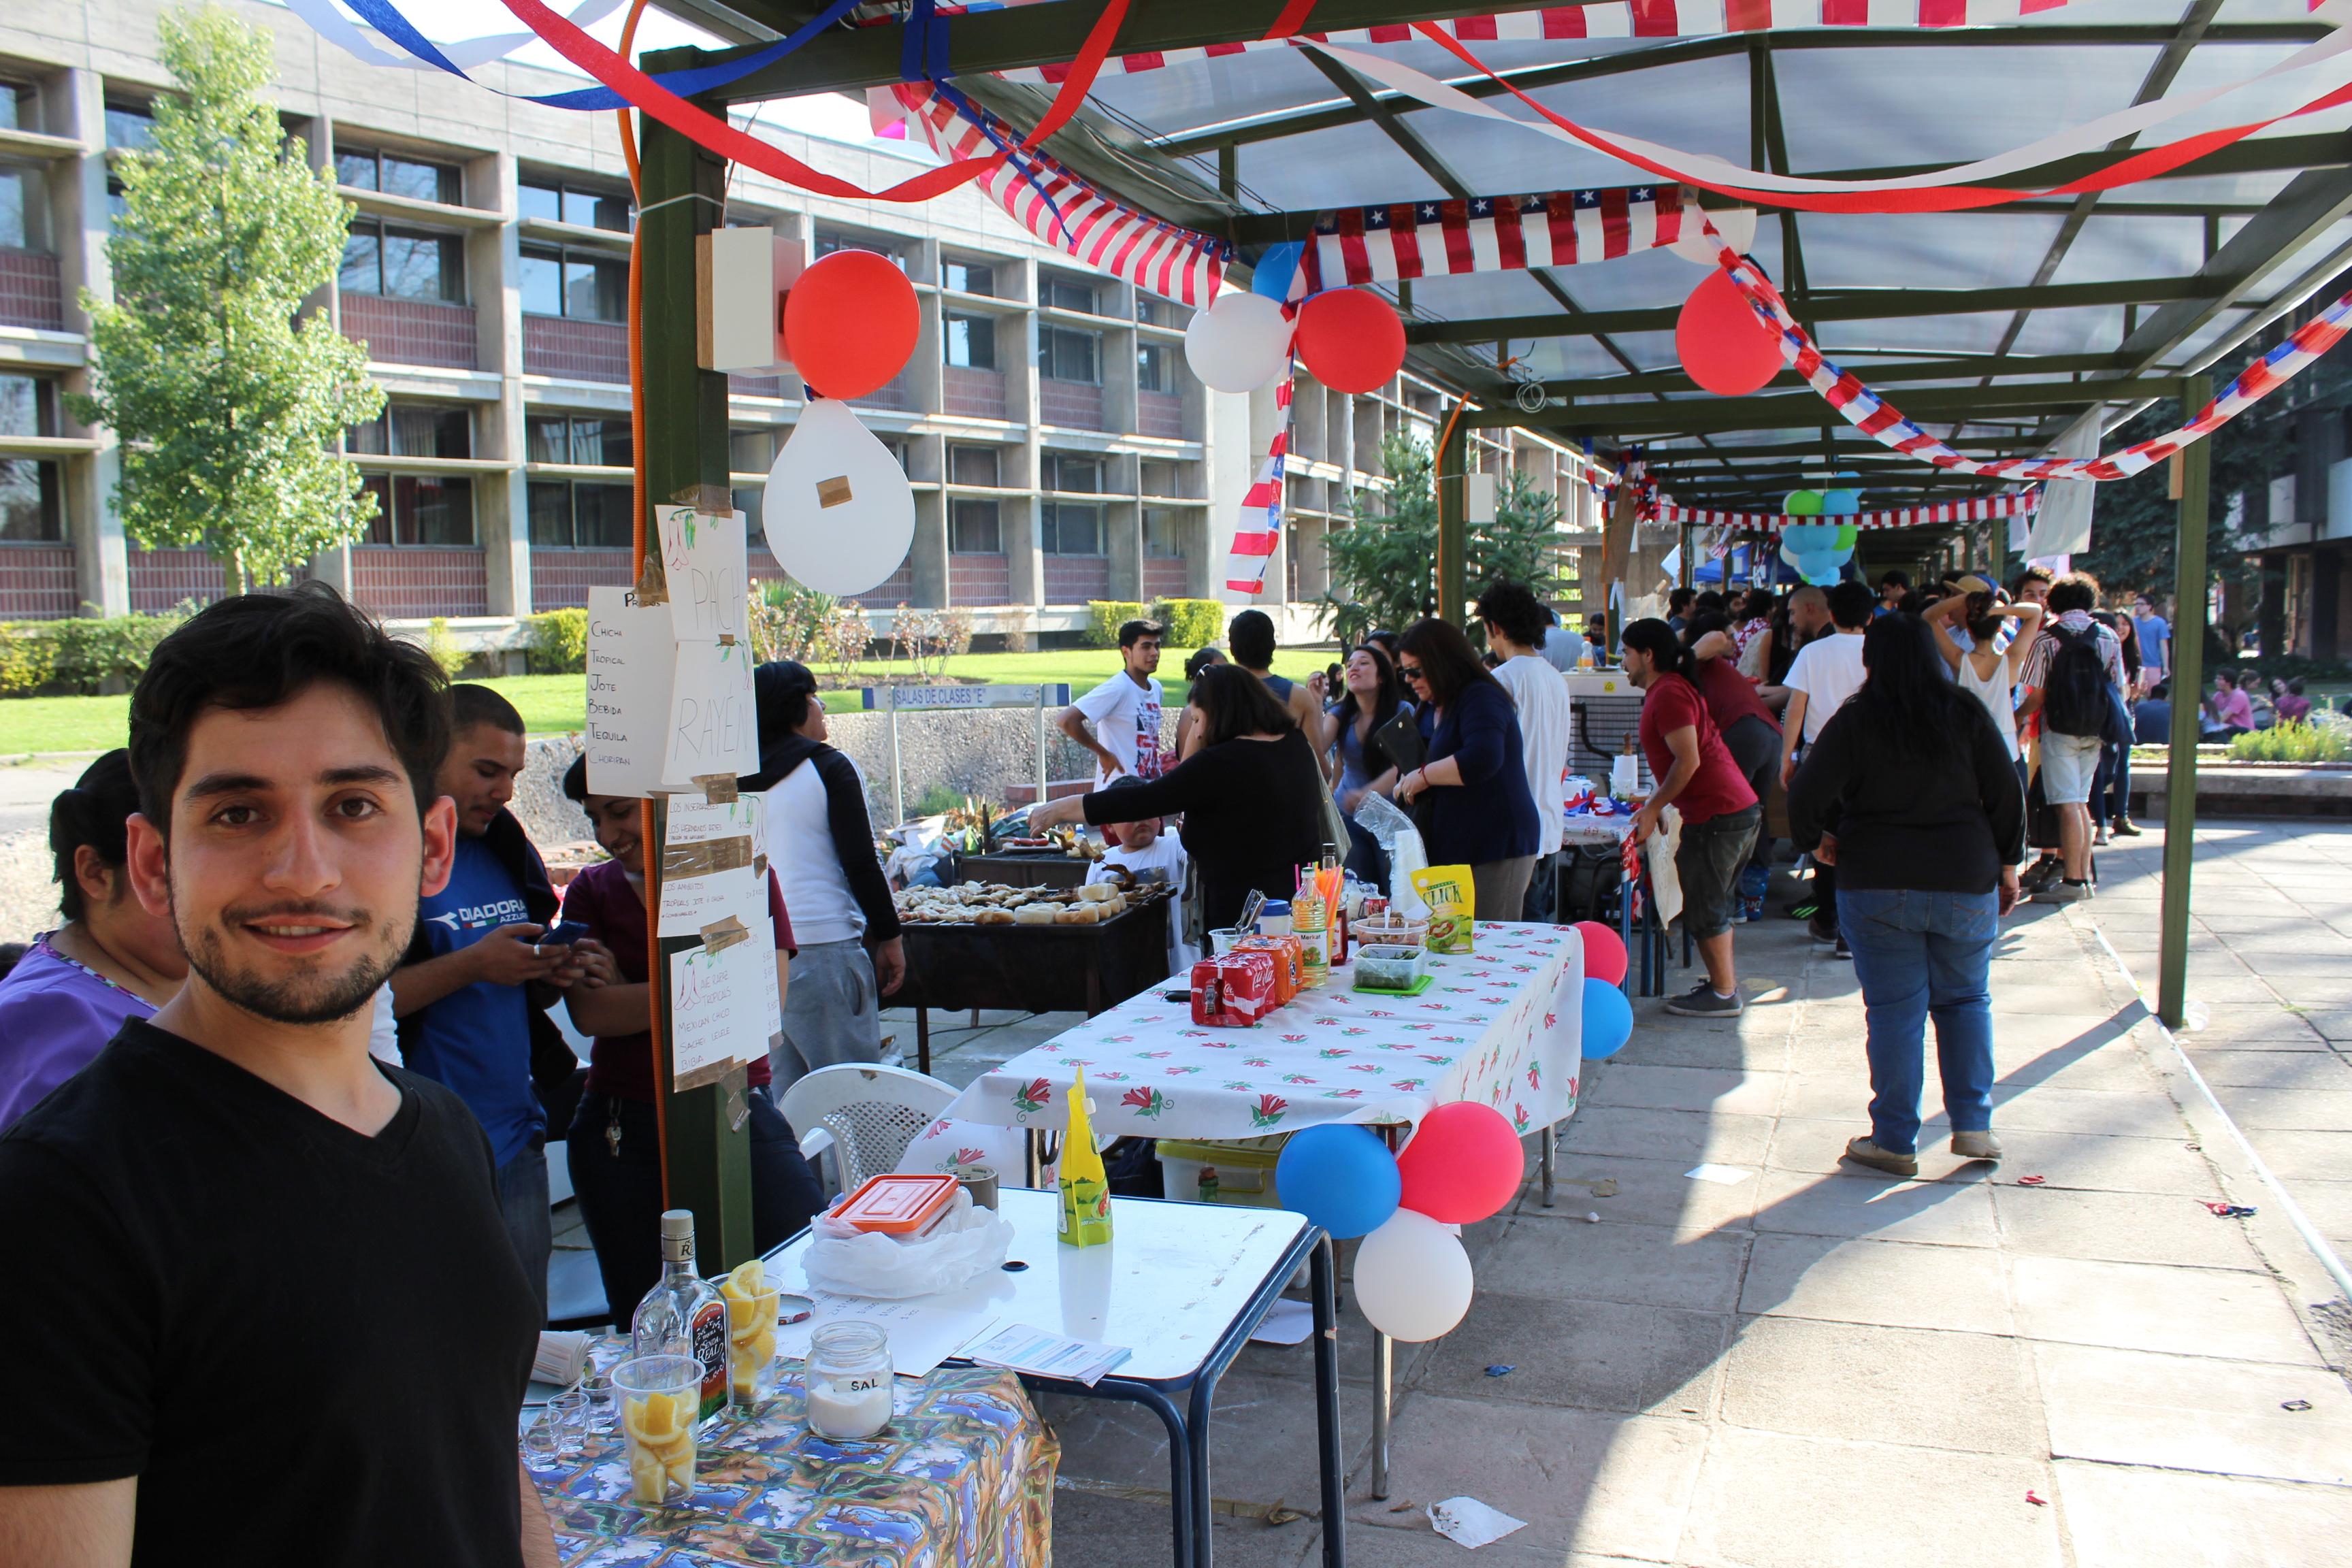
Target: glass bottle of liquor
682,1314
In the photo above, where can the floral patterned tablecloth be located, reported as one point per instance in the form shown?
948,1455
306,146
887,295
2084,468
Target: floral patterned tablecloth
962,1477
1500,1025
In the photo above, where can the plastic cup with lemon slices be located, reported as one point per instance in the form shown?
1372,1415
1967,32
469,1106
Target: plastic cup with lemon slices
660,1399
751,1296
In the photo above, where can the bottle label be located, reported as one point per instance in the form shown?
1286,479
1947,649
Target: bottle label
709,1340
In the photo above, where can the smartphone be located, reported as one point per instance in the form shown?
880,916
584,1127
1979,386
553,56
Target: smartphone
563,933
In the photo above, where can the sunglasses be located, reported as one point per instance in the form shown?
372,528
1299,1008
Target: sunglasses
1409,671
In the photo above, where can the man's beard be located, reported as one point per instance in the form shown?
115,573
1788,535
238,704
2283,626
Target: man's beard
305,997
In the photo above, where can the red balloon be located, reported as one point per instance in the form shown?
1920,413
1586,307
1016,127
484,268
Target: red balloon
1605,952
850,322
1350,339
1724,346
1463,1164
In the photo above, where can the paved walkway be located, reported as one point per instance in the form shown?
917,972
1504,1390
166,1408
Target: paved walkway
1816,1369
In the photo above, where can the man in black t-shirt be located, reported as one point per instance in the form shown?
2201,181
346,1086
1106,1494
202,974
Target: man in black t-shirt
259,1291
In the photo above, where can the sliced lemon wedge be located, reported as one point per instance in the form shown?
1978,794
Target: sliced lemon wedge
746,1282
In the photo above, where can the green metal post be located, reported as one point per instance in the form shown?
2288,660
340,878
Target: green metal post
1452,530
2187,687
707,1158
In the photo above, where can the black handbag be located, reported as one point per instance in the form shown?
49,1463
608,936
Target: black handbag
2040,816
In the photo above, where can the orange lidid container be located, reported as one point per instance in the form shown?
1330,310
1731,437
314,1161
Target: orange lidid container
894,1204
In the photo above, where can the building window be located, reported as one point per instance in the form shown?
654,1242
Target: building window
24,207
31,511
967,277
1154,311
973,528
129,125
1078,475
973,466
1154,372
576,283
582,514
20,107
1069,528
750,451
555,202
393,174
1065,353
596,443
1064,292
1163,534
1162,480
971,341
829,240
414,430
403,264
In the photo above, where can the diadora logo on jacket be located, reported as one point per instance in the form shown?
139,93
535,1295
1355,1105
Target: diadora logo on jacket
481,917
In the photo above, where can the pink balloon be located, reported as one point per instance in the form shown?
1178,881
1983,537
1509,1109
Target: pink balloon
1464,1163
1605,952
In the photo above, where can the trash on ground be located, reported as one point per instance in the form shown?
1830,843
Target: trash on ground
1590,1217
1500,1370
1724,1174
1289,1324
2294,1404
1598,1186
1466,1522
2036,1499
1280,1513
2228,1211
2031,1181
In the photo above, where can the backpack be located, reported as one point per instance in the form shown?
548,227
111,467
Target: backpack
2075,689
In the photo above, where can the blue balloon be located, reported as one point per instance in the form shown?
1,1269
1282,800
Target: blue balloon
1840,503
1275,270
1608,1020
1340,1176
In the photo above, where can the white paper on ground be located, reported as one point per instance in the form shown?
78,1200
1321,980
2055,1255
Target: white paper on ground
922,1332
1289,1324
1469,1522
712,728
702,556
1725,1174
631,660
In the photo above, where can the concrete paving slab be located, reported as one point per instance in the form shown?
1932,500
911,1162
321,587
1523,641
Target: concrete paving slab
2191,1413
1813,1379
1671,1135
1261,1441
2251,1067
2048,1108
2163,1518
2119,1228
1112,1531
1768,1501
1610,1486
2328,1205
2111,1164
1714,1090
1629,1263
2150,1307
2299,1156
1890,1283
1799,1144
1650,1193
1590,1355
2296,1111
1940,1213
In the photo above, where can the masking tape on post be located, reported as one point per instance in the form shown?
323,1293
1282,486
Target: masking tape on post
719,789
711,501
720,935
701,859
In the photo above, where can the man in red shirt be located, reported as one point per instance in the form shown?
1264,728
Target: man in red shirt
1695,774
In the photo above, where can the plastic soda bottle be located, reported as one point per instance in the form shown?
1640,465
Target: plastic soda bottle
1311,922
1085,1188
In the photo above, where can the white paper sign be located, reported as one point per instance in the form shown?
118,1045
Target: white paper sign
716,1017
764,937
712,726
631,655
692,902
703,558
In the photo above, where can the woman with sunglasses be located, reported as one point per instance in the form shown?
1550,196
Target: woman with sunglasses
1479,812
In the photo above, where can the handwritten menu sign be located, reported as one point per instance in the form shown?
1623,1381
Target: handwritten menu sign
718,1016
712,728
632,652
703,556
709,864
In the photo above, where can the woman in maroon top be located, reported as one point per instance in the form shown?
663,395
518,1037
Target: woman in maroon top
616,1150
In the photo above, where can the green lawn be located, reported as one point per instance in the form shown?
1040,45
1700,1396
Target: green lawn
550,704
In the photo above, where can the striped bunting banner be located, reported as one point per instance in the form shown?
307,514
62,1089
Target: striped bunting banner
1259,535
1979,509
1491,234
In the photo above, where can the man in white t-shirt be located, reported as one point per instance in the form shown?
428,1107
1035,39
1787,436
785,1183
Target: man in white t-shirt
1125,710
1515,620
1828,671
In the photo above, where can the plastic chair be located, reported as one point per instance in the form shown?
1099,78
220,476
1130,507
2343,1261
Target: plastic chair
867,1116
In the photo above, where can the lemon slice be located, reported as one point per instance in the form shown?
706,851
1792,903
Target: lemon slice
648,1480
747,1282
656,1420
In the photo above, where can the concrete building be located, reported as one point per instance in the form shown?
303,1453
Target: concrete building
1059,449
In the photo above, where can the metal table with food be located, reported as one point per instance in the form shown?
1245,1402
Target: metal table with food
1032,949
962,1475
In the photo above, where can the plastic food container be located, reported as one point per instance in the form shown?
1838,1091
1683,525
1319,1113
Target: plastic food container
902,1205
1391,967
1392,931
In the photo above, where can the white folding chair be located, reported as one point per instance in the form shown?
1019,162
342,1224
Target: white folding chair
866,1116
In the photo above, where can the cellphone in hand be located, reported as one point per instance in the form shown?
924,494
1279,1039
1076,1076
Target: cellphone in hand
563,933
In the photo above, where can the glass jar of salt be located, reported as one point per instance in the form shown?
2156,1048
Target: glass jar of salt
849,1380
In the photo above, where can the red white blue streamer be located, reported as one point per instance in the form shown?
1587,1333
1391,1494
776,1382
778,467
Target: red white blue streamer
1259,538
1978,509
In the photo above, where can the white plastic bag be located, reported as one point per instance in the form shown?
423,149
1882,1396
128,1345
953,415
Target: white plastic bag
848,1262
1393,831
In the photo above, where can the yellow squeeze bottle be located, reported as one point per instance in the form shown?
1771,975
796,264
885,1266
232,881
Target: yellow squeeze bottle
1086,1189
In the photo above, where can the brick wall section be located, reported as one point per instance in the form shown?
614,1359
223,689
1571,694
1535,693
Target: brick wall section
974,393
1075,579
30,293
575,350
1159,413
403,582
36,582
893,395
1166,578
163,579
411,331
897,589
980,580
1073,404
559,579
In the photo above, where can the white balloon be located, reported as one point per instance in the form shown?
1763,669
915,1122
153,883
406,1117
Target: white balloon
839,513
1736,224
1412,1279
1239,344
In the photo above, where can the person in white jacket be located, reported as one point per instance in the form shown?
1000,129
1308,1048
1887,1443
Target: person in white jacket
1515,621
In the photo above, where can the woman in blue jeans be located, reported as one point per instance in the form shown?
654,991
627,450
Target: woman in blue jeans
1911,794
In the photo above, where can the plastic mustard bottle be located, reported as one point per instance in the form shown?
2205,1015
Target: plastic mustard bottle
1086,1189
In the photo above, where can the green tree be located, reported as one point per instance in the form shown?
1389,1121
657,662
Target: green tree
1384,563
227,406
